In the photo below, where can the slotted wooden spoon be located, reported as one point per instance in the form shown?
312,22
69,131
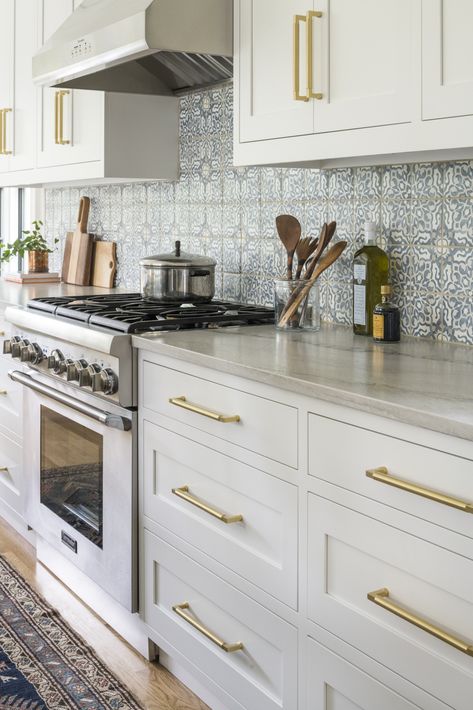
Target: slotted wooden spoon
289,230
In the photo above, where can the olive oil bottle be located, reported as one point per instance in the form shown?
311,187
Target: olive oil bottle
370,272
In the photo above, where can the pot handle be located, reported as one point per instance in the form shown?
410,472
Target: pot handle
199,272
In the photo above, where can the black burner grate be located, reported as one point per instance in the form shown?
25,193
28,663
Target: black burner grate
130,313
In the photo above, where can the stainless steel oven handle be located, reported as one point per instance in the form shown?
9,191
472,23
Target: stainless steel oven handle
111,420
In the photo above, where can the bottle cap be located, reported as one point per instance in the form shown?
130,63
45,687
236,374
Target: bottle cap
371,229
386,290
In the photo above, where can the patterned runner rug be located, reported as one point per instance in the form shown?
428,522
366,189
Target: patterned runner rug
43,662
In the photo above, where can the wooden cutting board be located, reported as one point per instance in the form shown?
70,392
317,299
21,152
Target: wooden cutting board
82,244
66,260
104,264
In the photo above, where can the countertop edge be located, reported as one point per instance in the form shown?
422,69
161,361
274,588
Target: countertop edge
334,395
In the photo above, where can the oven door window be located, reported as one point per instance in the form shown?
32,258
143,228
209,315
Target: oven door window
72,473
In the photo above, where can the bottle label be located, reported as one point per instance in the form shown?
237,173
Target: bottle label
359,307
378,326
359,272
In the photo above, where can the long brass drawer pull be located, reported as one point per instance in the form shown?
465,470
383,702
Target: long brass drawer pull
227,647
183,493
381,598
310,55
297,58
382,475
184,404
3,127
59,117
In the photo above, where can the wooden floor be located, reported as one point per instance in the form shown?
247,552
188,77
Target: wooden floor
152,684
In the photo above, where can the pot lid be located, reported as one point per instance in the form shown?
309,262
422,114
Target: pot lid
177,258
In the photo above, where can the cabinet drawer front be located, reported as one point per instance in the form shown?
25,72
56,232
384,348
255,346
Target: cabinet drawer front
336,684
11,397
342,454
266,427
11,473
351,556
262,547
263,674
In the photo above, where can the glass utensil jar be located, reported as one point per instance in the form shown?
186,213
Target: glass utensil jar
307,315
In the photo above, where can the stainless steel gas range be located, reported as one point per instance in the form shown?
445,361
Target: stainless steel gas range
76,363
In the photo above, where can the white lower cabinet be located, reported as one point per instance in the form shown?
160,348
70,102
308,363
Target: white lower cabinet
376,586
346,592
333,683
248,651
200,494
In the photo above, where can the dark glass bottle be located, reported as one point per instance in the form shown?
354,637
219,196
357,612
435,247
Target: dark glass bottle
386,319
370,272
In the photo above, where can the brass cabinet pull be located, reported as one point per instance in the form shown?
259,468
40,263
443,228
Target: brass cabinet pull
381,598
184,404
3,392
297,59
310,55
3,131
3,469
59,116
382,475
227,647
183,493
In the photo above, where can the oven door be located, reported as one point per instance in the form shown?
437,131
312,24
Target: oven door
80,471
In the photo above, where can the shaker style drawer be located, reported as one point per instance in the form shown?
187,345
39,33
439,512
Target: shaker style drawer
249,652
255,423
11,474
401,600
241,517
336,684
429,484
11,398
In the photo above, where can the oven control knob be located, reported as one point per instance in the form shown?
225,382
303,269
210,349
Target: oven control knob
8,344
74,368
57,362
87,374
105,381
31,353
17,348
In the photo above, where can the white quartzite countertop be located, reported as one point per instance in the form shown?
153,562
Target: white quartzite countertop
419,382
14,294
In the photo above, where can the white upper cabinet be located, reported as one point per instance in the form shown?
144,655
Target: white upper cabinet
17,96
447,58
334,83
68,120
362,63
6,80
272,78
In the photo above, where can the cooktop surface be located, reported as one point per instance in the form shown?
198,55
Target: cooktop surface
131,313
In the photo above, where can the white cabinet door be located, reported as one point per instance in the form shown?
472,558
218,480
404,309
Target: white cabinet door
6,80
266,71
23,117
364,64
447,58
78,135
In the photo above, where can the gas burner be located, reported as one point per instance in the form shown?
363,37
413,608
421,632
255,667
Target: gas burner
130,313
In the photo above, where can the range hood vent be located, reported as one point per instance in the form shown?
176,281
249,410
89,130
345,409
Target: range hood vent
140,46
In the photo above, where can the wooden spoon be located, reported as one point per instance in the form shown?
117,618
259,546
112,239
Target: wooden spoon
289,230
326,261
326,235
304,250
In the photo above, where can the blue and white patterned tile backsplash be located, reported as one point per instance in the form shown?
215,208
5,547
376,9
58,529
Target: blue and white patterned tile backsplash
425,213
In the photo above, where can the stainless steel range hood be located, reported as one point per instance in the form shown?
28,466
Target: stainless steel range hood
140,46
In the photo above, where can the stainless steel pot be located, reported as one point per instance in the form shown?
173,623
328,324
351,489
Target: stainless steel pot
178,277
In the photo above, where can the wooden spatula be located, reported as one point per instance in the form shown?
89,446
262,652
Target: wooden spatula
80,261
304,250
289,230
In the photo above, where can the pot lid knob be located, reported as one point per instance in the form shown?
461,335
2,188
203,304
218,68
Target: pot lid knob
178,248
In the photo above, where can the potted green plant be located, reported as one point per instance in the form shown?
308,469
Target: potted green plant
34,244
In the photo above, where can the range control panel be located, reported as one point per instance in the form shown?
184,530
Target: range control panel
81,368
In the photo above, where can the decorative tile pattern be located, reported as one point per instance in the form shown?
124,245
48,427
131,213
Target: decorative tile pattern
424,211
